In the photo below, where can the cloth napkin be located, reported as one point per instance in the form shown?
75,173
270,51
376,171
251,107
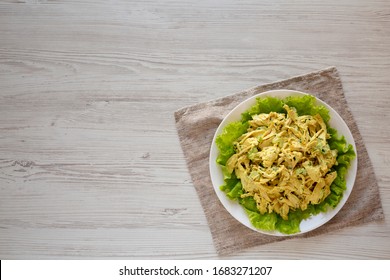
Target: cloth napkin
197,124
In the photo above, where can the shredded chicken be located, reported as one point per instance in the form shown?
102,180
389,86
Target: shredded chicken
284,161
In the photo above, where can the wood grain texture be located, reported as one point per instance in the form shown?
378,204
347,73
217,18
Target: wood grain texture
90,162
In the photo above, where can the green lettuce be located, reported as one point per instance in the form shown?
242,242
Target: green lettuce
226,139
305,105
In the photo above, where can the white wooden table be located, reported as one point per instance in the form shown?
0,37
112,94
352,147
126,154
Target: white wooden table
90,162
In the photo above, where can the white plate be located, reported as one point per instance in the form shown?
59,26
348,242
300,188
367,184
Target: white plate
235,209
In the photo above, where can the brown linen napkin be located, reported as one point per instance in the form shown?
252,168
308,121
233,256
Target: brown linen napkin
197,124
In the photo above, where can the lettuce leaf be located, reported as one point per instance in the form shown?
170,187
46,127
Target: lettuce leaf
266,222
264,105
305,105
226,139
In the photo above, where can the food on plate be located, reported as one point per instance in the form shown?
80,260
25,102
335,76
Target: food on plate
283,163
